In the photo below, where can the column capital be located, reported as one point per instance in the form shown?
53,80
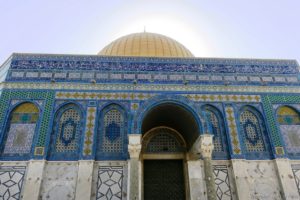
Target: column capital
203,145
134,145
207,145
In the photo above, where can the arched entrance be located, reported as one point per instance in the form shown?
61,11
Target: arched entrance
168,130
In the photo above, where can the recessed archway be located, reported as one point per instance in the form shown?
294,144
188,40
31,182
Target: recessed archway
169,131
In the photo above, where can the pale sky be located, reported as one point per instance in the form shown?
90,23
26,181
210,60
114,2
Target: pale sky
208,28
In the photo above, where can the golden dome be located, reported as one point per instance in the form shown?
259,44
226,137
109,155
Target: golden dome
145,45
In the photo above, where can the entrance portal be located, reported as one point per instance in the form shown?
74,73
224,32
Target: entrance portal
163,179
163,153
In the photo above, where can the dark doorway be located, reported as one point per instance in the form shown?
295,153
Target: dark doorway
163,179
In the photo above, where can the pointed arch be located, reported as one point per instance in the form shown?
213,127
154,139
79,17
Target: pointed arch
216,121
66,133
112,133
254,133
287,115
20,130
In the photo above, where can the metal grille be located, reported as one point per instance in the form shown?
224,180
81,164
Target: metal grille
163,179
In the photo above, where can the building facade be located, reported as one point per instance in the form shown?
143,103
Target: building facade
144,119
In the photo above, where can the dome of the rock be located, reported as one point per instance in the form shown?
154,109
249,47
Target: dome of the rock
146,45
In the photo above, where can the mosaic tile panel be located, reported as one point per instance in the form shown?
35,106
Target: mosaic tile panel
251,131
48,96
19,139
223,98
68,131
113,131
205,65
103,95
231,123
216,130
11,182
144,96
110,183
89,131
222,182
268,101
287,116
21,129
291,137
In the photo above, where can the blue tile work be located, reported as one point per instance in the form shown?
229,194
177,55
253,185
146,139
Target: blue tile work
20,130
11,181
67,133
216,120
42,98
150,70
254,134
270,103
112,133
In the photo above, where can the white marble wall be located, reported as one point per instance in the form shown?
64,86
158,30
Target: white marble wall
59,181
256,180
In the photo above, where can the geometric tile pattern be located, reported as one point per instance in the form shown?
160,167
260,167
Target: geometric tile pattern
251,132
268,101
231,123
222,98
216,130
89,131
291,137
19,139
222,182
144,96
21,129
163,143
110,183
103,95
68,131
296,171
11,182
287,116
113,131
48,96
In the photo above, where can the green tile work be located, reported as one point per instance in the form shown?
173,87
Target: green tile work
47,96
268,101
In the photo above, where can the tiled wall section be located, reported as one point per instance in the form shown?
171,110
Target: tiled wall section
268,102
11,181
45,120
110,180
222,182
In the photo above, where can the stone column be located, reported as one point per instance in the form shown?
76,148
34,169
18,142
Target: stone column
204,146
84,179
286,179
134,149
196,179
206,149
32,185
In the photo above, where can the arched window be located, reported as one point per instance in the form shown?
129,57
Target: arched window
289,121
254,134
112,132
215,119
20,130
66,134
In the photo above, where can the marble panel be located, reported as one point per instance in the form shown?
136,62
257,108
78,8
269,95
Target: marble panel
59,181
